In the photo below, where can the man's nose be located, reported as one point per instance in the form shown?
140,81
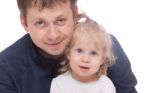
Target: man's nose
53,32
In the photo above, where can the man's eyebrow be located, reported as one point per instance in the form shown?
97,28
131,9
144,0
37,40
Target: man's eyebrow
38,18
60,16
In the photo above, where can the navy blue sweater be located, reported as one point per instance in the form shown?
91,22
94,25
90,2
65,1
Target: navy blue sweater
23,70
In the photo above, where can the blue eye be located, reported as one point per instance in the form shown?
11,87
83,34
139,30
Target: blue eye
79,50
93,53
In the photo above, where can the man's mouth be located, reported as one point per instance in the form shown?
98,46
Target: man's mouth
54,43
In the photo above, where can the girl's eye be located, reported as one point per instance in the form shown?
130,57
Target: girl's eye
61,21
40,24
93,53
79,50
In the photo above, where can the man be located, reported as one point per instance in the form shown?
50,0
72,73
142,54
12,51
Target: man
29,65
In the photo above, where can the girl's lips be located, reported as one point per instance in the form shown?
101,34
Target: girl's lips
84,67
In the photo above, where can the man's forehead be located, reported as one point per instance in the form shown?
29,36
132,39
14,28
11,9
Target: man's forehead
57,11
55,8
46,3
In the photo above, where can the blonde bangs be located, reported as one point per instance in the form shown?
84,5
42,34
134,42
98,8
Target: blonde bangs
90,32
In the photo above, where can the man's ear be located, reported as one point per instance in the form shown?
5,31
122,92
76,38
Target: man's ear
23,22
75,10
75,13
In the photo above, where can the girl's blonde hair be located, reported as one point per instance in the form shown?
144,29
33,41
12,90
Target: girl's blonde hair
87,28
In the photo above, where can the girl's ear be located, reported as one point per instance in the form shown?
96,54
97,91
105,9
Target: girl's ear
23,22
67,53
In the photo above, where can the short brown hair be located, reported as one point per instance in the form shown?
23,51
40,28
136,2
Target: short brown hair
23,5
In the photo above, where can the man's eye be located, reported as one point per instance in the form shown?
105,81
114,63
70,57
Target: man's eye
40,24
61,21
93,53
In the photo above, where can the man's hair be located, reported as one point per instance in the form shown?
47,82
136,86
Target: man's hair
23,5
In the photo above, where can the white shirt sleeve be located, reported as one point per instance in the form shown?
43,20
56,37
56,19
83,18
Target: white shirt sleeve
54,88
66,84
108,86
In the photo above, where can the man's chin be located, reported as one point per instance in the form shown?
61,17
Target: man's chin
55,55
52,54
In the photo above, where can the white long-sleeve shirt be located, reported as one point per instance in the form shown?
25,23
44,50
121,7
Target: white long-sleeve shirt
67,84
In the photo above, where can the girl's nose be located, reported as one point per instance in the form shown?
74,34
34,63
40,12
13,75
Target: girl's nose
85,58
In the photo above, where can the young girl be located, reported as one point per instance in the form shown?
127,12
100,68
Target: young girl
88,56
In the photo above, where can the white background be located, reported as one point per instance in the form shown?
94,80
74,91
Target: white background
128,20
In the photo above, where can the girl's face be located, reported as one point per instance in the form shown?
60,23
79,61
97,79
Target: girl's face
85,60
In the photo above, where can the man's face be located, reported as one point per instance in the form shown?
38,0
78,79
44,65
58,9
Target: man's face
51,29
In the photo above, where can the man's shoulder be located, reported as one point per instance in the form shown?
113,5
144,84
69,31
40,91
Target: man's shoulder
16,48
15,54
14,59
